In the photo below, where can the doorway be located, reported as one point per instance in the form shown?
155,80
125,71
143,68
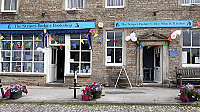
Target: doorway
152,64
57,64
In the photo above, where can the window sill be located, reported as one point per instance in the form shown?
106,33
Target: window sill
114,7
191,65
73,9
113,64
197,4
78,74
11,12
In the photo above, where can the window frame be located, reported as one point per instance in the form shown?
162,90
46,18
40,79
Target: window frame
2,7
190,47
22,61
106,47
106,6
68,42
189,4
66,6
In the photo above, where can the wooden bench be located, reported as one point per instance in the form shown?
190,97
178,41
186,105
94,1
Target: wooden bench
187,74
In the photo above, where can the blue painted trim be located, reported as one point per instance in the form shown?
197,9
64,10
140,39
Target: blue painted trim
32,26
153,24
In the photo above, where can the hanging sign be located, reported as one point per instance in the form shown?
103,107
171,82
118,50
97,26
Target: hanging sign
153,24
173,53
55,25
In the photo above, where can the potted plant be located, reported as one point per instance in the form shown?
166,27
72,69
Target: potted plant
92,91
15,91
189,93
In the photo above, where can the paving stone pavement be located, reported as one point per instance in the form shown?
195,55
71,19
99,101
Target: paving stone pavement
96,108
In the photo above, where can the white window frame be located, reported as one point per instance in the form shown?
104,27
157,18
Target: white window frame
2,7
191,2
106,6
66,6
189,65
22,51
106,47
68,60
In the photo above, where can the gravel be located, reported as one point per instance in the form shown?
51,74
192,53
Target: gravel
92,108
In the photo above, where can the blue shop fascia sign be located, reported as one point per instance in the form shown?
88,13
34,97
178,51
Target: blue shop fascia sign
153,24
56,25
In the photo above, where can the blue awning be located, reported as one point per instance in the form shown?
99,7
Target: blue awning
41,31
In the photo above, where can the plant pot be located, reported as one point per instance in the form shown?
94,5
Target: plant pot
192,97
15,95
96,94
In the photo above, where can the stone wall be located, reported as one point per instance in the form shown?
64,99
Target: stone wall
24,79
134,10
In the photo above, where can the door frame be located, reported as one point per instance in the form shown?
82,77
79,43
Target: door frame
164,55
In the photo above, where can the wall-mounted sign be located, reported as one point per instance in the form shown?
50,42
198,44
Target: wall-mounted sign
173,53
66,25
153,24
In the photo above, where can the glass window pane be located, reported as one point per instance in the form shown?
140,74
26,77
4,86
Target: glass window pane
74,36
85,56
16,67
74,55
195,54
110,35
110,55
38,45
118,37
83,36
74,66
6,45
27,67
39,67
6,55
84,46
28,37
17,37
60,38
16,56
7,4
75,44
188,54
14,5
118,55
28,45
85,68
38,56
195,38
17,45
186,38
27,55
5,67
7,37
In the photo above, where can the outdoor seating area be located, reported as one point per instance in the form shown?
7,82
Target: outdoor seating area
188,75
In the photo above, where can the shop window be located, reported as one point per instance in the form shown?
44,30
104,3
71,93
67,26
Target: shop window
114,50
19,53
74,4
80,54
191,48
114,4
9,6
190,2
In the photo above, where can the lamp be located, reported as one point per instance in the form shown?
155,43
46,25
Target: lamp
43,14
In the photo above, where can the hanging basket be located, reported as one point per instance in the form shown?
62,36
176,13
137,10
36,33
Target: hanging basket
15,95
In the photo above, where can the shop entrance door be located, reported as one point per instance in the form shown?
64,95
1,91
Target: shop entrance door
157,64
53,71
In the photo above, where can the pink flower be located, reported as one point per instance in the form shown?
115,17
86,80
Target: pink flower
187,99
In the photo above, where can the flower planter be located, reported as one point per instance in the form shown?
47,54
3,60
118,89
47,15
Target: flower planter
15,95
192,97
96,94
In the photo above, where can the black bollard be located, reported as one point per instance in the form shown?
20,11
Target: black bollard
2,91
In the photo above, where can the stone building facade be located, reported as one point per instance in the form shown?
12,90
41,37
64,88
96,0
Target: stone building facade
131,56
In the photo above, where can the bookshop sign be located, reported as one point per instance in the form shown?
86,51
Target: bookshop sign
153,24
